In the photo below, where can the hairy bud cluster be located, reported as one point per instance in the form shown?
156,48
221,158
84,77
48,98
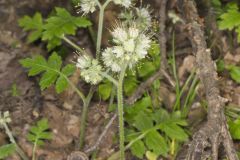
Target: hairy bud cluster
90,69
125,3
141,17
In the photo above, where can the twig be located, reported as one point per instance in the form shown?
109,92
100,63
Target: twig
216,125
162,35
100,138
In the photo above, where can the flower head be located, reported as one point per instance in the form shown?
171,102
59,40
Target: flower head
90,69
4,118
88,6
131,45
125,3
144,17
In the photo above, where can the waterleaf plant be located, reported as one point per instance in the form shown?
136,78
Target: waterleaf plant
131,43
38,134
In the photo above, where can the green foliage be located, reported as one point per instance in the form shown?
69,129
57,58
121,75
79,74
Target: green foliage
234,127
7,150
39,133
235,73
34,24
105,89
152,130
14,90
51,69
231,19
53,28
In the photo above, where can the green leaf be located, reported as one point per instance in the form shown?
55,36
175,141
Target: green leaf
234,73
156,143
62,83
63,23
105,90
220,65
139,106
39,133
51,70
130,85
143,121
138,149
231,18
34,24
234,127
160,116
174,131
154,49
146,69
36,65
7,150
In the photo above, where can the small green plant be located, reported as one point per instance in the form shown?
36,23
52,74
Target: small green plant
234,72
9,149
14,90
38,134
231,19
153,130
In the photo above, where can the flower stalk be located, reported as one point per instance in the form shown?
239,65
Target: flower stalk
100,27
120,112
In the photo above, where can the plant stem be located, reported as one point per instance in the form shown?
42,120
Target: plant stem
110,78
73,44
34,151
177,88
12,140
84,117
178,98
120,112
191,93
100,27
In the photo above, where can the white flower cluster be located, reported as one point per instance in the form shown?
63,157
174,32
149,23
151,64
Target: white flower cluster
131,45
90,69
4,118
125,3
88,6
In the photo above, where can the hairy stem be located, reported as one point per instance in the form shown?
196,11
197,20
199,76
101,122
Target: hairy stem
34,151
12,140
75,46
100,27
84,117
120,112
91,92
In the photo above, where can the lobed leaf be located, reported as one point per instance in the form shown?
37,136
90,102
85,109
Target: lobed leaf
138,149
156,143
7,150
34,24
51,69
39,133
